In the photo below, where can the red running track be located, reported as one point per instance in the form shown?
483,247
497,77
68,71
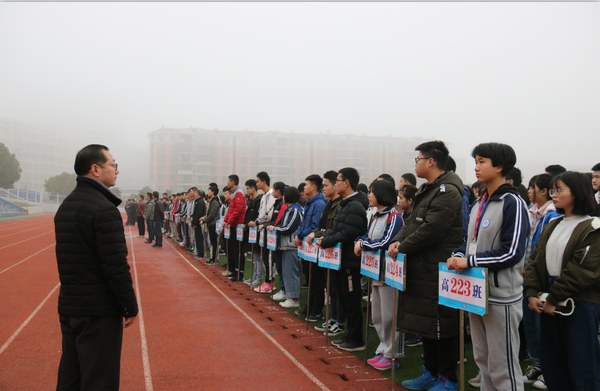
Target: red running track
196,330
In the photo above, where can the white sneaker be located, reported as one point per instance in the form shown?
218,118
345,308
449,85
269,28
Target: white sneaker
476,381
540,383
290,303
279,296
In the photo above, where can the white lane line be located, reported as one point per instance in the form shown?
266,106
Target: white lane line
8,268
263,331
27,230
145,358
12,337
33,237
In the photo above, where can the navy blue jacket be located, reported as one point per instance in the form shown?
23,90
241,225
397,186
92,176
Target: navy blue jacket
312,215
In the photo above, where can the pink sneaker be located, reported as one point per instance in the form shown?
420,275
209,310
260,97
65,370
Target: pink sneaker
264,288
375,359
384,364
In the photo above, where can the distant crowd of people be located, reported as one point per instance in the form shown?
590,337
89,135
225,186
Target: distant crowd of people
540,245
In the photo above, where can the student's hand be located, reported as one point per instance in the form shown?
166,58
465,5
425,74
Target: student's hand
202,219
319,242
252,224
548,308
243,226
357,248
393,250
297,242
128,322
270,228
309,238
260,227
535,304
458,264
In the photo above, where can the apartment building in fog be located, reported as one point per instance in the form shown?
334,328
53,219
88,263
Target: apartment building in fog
182,158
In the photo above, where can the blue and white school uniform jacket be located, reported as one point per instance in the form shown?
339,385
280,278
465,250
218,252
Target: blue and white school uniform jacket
384,225
501,242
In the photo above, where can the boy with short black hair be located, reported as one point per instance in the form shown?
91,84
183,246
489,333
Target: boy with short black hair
497,236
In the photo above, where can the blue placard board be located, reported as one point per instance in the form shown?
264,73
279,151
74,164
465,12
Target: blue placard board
395,272
331,258
466,290
252,232
370,262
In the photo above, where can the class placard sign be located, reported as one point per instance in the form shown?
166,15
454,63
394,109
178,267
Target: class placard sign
272,240
466,290
261,238
395,273
218,226
226,232
311,251
331,258
370,263
252,235
239,233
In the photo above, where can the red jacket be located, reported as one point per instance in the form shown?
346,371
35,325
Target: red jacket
237,208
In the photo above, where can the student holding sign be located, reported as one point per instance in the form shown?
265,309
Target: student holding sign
351,222
497,237
433,230
384,225
212,216
234,217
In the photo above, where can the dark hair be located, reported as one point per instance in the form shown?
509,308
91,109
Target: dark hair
410,178
226,189
280,186
384,192
291,195
362,188
515,175
387,177
213,184
301,187
214,189
235,179
435,150
351,175
544,181
532,181
315,180
222,199
409,192
263,176
251,183
88,155
480,187
580,188
596,167
149,194
155,194
555,169
451,164
500,154
141,196
200,193
331,176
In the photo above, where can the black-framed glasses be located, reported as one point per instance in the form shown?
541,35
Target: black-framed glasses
116,166
420,158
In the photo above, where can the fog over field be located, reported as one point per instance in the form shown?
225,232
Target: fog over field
527,74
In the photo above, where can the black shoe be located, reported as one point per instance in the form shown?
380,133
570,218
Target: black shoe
351,346
337,342
148,241
209,262
315,318
234,277
301,312
156,246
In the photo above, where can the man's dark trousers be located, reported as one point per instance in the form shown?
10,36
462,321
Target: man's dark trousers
150,224
199,236
91,358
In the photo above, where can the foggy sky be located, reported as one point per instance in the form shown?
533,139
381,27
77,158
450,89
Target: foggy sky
524,74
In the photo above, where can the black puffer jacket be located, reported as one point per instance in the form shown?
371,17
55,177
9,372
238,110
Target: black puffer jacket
92,254
350,223
432,231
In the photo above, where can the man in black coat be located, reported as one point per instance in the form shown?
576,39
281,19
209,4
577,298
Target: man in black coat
199,212
350,223
96,299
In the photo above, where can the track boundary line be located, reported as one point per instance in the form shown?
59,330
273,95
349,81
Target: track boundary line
263,331
16,333
31,229
33,237
145,357
10,267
